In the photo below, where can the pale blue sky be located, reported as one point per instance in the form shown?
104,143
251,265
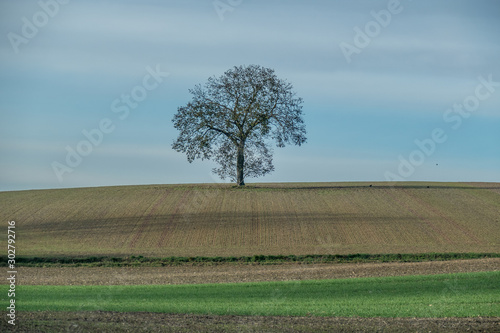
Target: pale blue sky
362,115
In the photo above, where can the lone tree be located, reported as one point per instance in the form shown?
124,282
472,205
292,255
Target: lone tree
232,118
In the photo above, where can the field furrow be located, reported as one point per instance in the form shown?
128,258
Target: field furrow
219,220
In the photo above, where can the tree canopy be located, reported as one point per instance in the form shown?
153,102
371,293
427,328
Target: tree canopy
233,118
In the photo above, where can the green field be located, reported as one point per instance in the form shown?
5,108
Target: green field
270,219
448,295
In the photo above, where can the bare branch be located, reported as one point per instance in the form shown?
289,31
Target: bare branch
232,118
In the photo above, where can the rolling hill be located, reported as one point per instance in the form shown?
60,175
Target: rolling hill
284,218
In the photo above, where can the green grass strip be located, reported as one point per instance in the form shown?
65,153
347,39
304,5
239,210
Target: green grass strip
446,295
104,261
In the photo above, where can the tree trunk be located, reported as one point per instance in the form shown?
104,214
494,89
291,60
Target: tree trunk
239,165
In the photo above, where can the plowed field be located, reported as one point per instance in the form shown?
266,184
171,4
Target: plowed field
112,322
219,220
241,273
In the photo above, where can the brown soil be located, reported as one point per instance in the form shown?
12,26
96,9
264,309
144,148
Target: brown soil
101,321
191,220
240,272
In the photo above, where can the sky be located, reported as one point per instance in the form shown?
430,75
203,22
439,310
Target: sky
393,90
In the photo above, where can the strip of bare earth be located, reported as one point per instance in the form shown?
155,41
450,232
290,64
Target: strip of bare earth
102,321
222,273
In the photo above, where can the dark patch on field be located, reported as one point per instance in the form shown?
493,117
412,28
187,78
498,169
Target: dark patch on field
101,321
